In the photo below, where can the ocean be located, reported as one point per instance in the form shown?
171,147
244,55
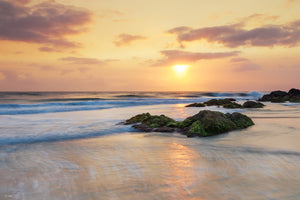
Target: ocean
70,145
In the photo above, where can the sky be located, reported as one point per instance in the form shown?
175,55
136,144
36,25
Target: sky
133,45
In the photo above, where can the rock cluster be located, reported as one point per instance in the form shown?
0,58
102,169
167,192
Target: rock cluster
205,123
227,103
293,95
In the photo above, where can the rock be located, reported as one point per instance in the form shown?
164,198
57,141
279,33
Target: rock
195,105
226,103
153,121
146,128
295,99
205,123
294,92
241,121
231,99
208,123
294,95
232,105
278,93
218,102
281,96
253,104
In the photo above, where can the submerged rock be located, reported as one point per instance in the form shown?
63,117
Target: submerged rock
281,96
205,123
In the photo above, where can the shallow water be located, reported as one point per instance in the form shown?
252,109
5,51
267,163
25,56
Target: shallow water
85,155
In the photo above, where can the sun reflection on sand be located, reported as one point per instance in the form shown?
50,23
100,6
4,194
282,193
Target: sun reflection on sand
182,175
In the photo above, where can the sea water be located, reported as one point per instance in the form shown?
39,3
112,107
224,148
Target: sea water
66,145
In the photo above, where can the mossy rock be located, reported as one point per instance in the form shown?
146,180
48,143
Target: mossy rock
195,105
184,124
253,104
138,118
212,122
205,123
226,103
153,121
232,105
217,102
241,121
197,128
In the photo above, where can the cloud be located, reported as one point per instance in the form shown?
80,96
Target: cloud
236,35
45,23
257,19
288,3
244,64
83,61
48,49
113,15
2,76
21,1
126,39
13,78
184,57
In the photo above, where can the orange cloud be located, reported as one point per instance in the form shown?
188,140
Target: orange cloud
184,57
126,39
83,61
45,23
236,35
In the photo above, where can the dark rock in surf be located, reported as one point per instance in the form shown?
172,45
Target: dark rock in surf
281,96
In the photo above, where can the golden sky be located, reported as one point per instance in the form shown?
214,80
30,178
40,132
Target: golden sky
132,45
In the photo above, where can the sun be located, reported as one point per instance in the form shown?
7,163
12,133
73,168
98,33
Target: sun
180,69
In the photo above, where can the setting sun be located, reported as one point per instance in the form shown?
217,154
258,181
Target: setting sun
180,69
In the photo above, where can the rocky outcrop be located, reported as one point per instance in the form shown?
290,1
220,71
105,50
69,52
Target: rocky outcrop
281,96
227,103
205,123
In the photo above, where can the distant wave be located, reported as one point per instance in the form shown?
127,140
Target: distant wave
133,96
57,137
238,94
16,109
224,94
59,104
70,99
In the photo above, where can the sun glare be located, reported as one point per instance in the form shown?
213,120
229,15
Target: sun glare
180,69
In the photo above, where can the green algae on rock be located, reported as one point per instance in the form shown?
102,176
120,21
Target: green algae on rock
205,123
